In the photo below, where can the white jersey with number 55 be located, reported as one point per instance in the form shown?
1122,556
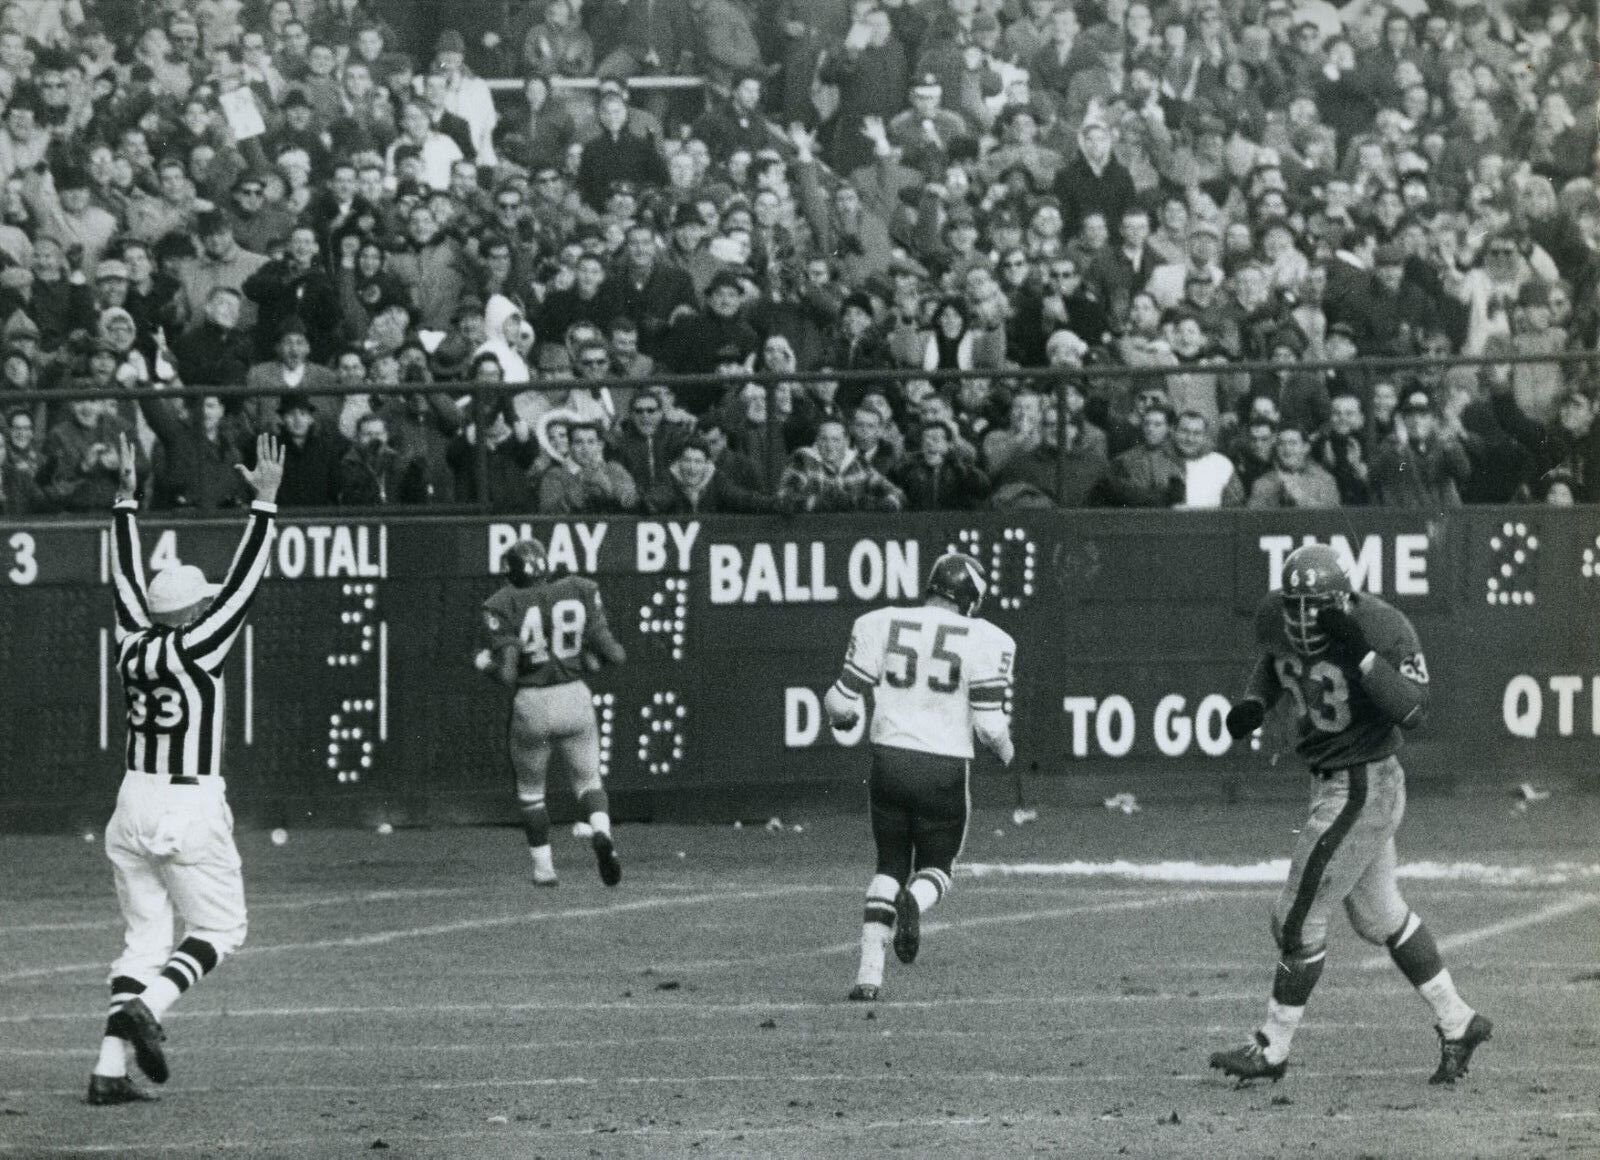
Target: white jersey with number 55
932,672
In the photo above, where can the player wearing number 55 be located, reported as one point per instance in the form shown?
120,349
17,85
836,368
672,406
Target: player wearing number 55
170,840
544,632
938,674
1355,676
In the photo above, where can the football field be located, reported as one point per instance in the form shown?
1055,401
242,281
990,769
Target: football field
413,995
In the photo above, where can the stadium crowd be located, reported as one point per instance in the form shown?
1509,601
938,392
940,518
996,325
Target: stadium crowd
296,196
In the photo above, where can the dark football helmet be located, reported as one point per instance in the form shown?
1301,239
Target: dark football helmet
1314,578
526,563
959,579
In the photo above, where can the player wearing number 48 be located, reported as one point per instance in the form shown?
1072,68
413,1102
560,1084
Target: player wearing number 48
938,674
1353,670
544,632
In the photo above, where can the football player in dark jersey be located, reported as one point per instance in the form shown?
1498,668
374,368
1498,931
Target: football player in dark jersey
1354,673
544,633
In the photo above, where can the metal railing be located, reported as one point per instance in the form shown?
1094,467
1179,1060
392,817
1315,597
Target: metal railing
487,398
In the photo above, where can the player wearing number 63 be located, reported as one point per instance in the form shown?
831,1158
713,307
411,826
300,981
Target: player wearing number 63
544,632
938,674
1355,675
170,839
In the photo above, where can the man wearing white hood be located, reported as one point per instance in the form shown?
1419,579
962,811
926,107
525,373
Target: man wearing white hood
506,336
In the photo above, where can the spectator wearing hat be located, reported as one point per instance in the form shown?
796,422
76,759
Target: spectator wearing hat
1421,467
69,216
299,130
925,132
296,285
1295,480
259,225
616,154
290,370
81,464
871,70
696,343
222,262
216,350
847,230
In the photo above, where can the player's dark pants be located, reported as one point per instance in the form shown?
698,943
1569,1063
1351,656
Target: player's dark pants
920,807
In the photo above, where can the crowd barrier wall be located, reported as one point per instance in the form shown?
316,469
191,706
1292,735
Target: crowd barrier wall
351,697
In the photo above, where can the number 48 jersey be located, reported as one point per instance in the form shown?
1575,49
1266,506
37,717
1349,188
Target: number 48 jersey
929,669
550,624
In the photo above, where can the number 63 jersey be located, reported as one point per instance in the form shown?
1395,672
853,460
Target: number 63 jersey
1339,723
929,669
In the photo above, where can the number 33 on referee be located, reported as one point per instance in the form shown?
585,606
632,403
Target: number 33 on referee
170,840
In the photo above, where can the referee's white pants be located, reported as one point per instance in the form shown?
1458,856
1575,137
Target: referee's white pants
173,857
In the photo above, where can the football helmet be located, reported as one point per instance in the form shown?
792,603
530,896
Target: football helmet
959,579
1314,578
526,563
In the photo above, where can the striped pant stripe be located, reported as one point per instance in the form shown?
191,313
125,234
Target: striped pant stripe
1322,854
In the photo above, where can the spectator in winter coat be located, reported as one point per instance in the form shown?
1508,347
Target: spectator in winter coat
587,483
617,154
194,463
1151,474
1094,181
936,480
510,450
296,286
643,445
292,370
1419,467
1030,477
20,464
216,351
311,455
694,486
1295,480
81,460
1210,479
434,268
373,474
830,477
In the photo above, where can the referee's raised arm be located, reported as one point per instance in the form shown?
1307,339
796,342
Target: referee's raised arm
208,639
128,589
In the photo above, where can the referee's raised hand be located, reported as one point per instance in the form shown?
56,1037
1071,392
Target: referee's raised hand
127,469
267,474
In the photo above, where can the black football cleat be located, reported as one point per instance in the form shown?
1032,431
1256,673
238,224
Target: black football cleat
1249,1062
1455,1054
864,993
136,1023
605,855
907,926
116,1089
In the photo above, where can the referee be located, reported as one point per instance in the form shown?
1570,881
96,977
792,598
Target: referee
170,840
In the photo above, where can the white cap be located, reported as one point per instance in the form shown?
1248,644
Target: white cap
174,589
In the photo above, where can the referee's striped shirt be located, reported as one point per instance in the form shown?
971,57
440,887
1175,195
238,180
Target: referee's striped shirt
172,676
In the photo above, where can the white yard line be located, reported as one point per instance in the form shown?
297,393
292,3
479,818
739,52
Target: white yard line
700,1008
384,937
954,924
1570,905
1277,871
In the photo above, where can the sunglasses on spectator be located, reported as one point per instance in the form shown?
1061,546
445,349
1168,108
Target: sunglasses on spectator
251,191
646,409
1503,251
1015,262
509,204
599,360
